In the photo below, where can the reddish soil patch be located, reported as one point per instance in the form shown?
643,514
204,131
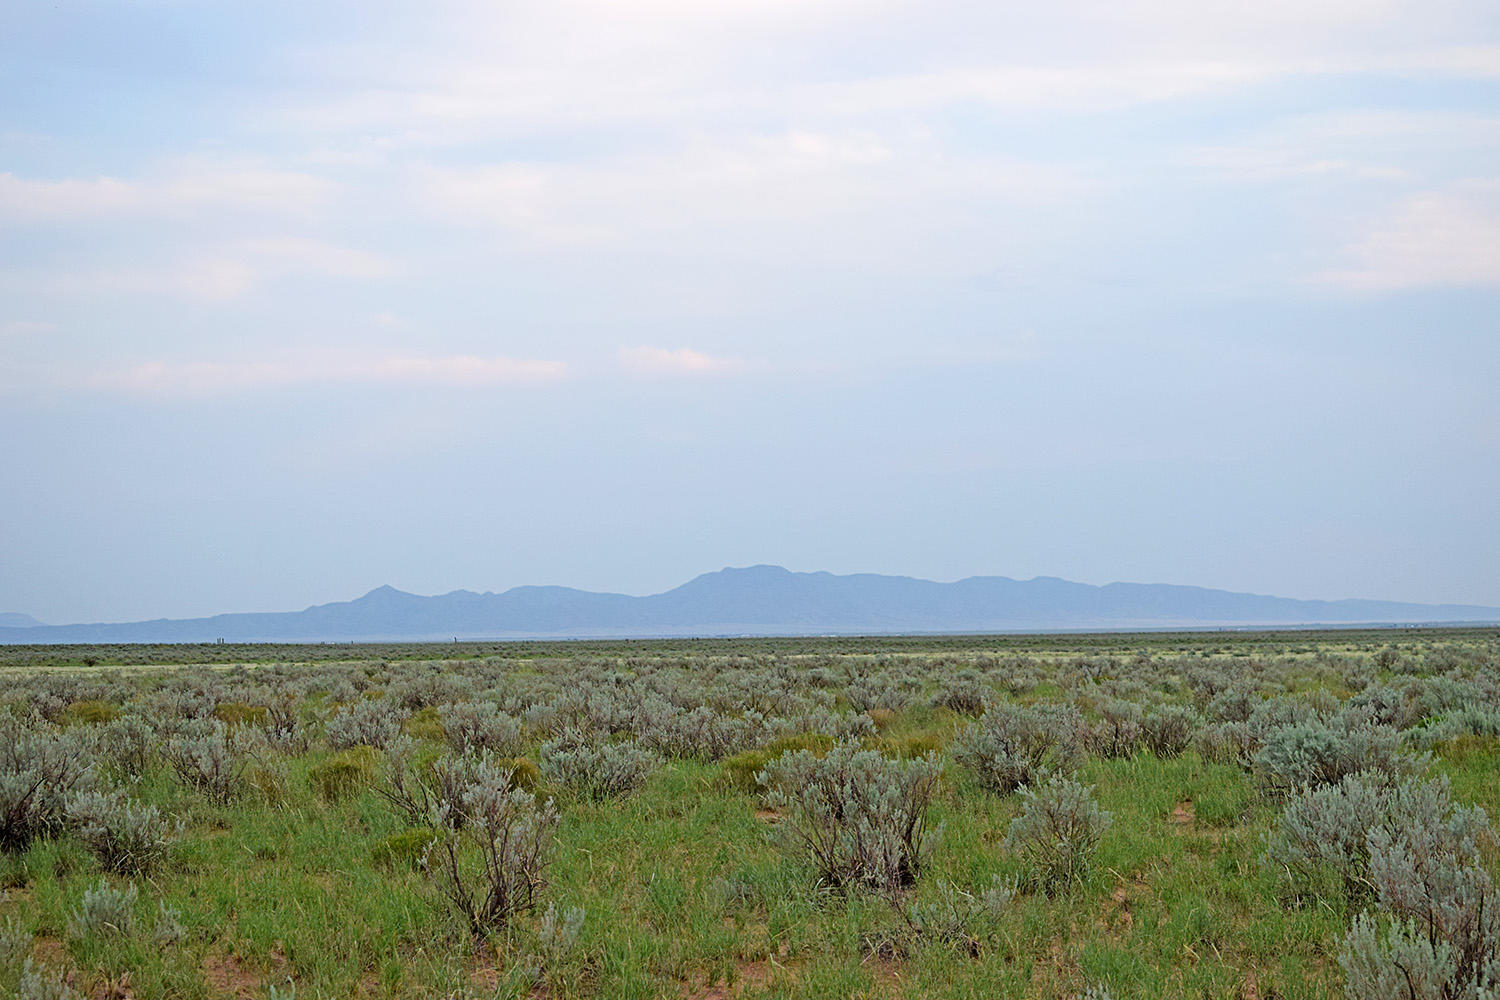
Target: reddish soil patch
1122,915
229,975
49,950
748,975
1184,814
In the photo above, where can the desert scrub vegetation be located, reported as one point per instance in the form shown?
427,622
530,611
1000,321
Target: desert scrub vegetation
1298,814
860,816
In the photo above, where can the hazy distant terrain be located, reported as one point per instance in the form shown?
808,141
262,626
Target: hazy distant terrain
763,600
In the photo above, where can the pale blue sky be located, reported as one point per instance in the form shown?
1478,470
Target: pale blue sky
297,299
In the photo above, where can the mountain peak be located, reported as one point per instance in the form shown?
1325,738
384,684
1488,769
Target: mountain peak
385,590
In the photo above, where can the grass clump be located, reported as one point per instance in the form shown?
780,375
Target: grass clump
89,713
344,773
406,849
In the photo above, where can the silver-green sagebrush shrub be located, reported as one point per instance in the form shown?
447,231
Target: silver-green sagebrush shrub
1408,963
36,983
39,772
169,929
1423,879
557,934
1057,833
1118,731
1228,743
15,944
1318,752
883,690
103,911
861,816
1012,746
494,865
1169,730
372,723
1427,871
594,767
211,760
475,726
126,836
961,920
429,792
128,742
963,695
1324,834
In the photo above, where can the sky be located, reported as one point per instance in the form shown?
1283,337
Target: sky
299,299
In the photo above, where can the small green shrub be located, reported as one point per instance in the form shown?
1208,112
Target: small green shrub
738,772
238,713
344,773
426,725
524,772
89,713
404,849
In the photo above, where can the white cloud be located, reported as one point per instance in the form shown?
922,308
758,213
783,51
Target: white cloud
1377,145
855,197
190,188
1444,238
681,361
291,254
218,273
483,69
174,378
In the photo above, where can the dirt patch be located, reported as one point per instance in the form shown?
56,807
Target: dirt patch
1123,919
747,975
768,815
887,974
49,950
232,976
1184,815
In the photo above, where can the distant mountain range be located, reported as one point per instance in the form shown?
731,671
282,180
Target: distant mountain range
14,619
761,600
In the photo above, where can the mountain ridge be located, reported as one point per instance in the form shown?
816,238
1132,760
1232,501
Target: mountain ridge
762,600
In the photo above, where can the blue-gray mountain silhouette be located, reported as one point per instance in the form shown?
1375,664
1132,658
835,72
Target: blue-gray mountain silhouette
14,619
764,600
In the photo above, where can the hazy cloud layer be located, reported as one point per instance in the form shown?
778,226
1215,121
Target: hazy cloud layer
1161,290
